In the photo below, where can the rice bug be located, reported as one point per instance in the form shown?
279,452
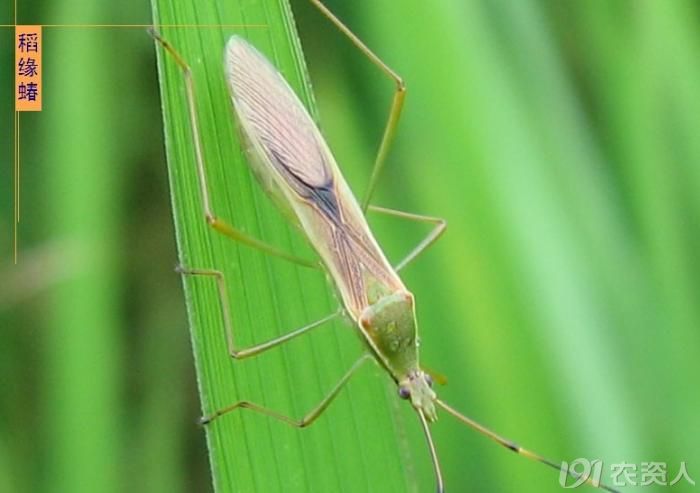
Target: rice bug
293,163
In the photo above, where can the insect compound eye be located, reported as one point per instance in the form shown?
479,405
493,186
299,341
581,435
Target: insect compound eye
404,393
429,380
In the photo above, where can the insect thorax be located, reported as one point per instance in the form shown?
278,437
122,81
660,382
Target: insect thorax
389,325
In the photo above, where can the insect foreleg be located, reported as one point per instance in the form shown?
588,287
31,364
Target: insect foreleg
309,417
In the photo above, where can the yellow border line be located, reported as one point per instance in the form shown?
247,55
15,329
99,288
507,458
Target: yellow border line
156,26
16,185
16,166
18,173
144,26
16,153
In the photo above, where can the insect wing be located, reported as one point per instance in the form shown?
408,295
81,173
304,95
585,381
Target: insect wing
273,115
282,133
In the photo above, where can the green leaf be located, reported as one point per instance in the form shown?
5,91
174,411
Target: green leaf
357,442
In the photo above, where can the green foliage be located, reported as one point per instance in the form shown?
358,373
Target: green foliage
558,146
357,437
559,140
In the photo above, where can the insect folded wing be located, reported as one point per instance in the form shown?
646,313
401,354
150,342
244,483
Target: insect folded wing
295,166
274,119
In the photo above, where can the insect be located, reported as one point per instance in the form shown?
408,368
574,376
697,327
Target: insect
291,160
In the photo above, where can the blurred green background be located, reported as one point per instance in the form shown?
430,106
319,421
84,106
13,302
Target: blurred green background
558,138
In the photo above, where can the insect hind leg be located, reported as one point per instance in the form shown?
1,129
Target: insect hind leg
396,103
212,219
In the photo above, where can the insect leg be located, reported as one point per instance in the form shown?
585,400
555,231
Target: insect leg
431,237
309,417
228,321
396,103
212,220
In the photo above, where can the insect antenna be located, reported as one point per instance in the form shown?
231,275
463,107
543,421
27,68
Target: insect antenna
433,452
510,445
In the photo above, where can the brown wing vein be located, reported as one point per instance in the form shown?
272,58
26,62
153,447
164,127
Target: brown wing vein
287,135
